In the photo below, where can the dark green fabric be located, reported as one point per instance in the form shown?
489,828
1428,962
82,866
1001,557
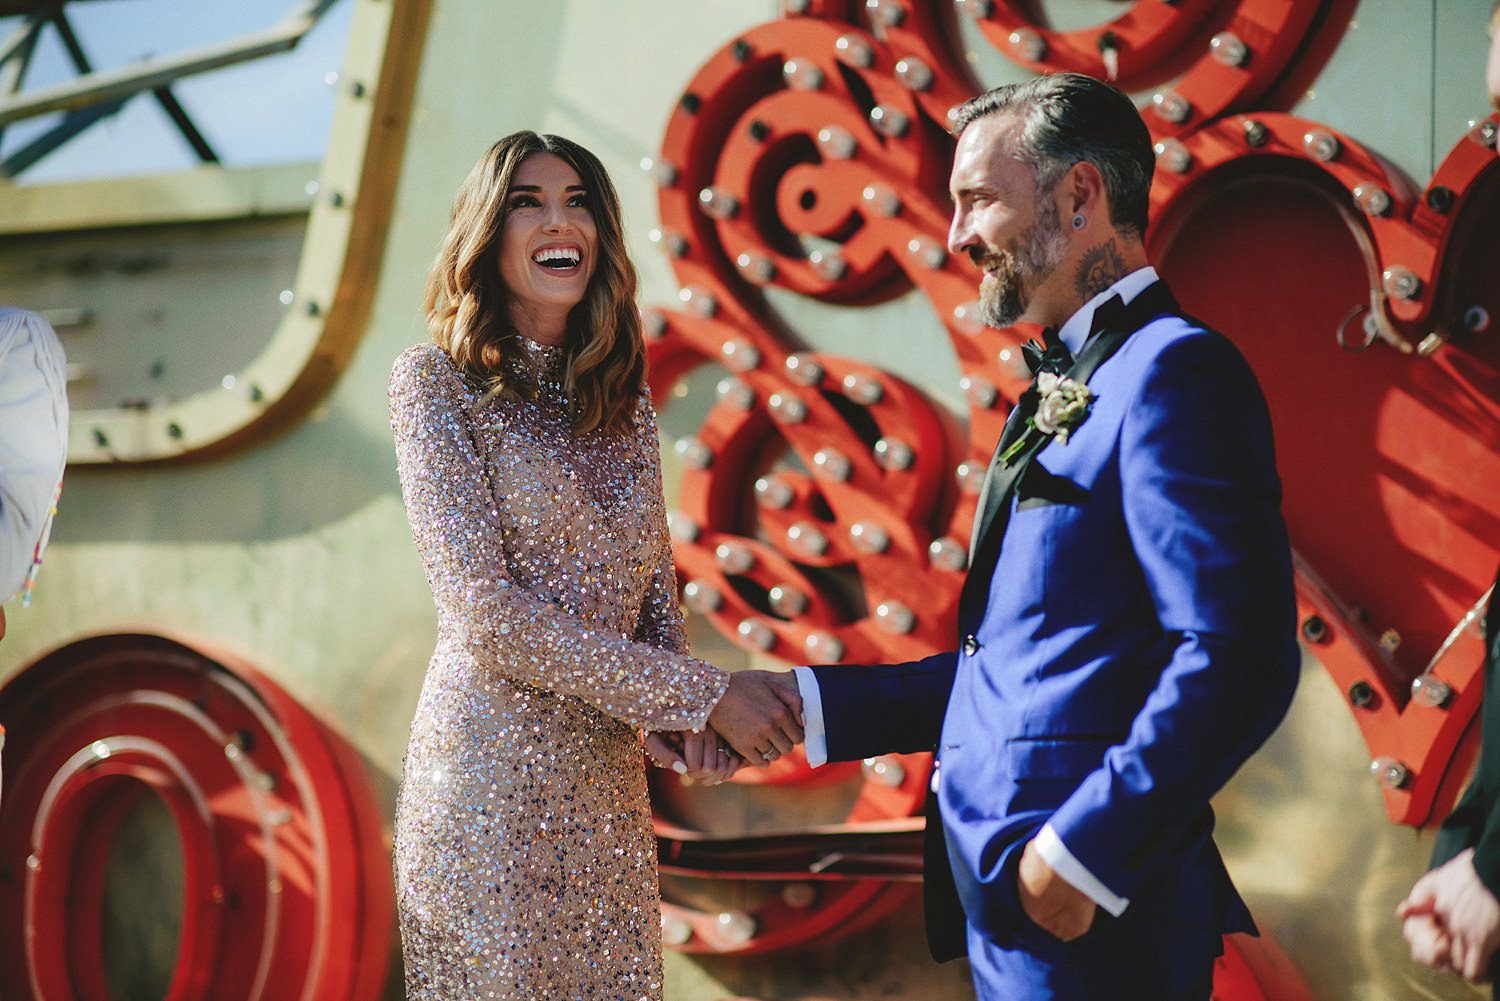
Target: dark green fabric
1475,821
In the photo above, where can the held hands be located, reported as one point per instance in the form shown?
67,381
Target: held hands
702,757
758,719
760,715
1451,920
1057,906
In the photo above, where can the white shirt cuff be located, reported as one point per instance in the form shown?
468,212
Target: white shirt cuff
1050,847
814,736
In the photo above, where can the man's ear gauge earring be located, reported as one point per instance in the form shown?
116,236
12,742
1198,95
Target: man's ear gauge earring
1079,221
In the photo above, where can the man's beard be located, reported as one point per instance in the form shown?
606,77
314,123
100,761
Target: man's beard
1026,262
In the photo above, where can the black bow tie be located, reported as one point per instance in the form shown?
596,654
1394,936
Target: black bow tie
1052,355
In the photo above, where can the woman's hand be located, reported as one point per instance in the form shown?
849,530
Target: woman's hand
702,757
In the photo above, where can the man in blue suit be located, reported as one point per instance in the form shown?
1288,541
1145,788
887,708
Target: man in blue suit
1127,623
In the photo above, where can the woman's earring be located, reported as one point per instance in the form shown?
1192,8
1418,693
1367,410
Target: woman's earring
1079,221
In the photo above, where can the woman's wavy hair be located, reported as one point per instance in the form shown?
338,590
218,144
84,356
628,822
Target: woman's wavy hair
468,306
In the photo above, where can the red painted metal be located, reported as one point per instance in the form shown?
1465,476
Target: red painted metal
286,876
1153,40
1253,968
1393,476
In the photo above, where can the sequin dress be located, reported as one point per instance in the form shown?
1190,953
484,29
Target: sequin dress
524,853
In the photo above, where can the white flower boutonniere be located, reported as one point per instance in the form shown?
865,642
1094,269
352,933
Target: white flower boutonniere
1062,405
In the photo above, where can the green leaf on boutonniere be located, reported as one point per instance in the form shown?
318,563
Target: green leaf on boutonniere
1063,404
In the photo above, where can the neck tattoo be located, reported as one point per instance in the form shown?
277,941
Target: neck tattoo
1098,269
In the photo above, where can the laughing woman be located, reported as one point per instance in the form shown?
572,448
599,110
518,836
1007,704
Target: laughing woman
527,449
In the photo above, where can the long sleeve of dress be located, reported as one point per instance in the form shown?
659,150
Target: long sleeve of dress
454,510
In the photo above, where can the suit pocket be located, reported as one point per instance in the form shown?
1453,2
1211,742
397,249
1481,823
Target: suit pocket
1056,758
1040,487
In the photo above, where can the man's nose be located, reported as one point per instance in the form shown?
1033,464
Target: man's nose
959,234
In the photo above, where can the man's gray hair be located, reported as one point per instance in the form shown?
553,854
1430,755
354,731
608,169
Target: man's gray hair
1069,118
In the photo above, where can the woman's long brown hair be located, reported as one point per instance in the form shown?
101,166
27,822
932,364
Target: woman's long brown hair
467,304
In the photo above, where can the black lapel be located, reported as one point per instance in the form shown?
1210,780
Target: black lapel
989,493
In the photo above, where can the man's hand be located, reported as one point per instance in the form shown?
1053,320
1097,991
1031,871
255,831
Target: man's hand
760,715
1453,898
1059,907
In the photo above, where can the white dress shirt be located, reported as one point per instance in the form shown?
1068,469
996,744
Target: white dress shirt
33,441
1051,848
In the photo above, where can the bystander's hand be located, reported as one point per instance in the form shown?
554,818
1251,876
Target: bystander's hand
1451,906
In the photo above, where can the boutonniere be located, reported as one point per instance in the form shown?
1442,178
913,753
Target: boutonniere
1062,405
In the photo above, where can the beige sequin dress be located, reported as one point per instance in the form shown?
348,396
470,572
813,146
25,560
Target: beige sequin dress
525,859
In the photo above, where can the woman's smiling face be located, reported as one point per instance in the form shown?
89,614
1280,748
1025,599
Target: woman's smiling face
547,246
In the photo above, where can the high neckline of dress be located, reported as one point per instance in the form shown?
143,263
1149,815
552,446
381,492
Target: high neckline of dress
546,362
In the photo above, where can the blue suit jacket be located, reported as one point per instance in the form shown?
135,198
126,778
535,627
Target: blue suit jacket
1136,644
